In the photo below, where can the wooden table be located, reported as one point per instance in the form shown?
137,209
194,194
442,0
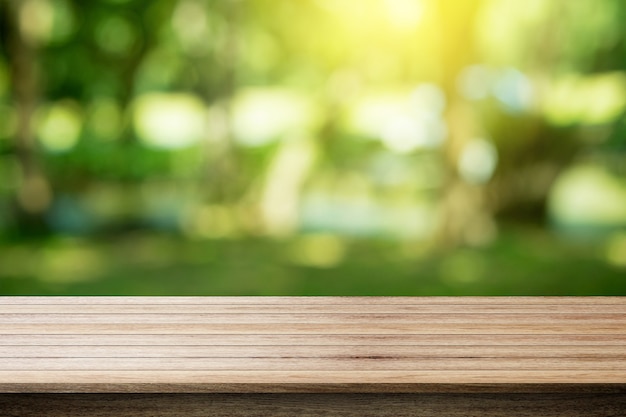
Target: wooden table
349,356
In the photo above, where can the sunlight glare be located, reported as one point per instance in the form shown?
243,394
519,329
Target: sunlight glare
170,121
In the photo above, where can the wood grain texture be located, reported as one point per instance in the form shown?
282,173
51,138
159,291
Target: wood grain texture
346,405
323,300
311,344
300,388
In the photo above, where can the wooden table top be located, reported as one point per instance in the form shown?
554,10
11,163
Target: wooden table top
308,344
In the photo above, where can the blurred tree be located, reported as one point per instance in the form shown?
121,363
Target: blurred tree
81,71
549,43
20,42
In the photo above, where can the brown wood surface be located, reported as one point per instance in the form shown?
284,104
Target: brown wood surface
354,405
312,344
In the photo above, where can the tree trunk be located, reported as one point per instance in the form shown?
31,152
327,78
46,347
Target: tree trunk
34,193
462,205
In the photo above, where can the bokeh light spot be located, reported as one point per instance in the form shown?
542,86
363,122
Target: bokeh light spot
478,161
60,126
170,121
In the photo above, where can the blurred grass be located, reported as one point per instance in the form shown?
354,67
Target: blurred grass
521,262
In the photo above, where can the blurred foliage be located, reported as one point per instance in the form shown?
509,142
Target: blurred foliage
313,147
522,263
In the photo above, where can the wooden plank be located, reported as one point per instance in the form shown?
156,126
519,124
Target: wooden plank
196,366
371,308
25,340
209,343
321,300
598,353
178,380
343,405
321,318
315,388
539,328
415,319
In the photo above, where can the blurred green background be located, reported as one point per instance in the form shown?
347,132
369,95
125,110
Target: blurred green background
310,147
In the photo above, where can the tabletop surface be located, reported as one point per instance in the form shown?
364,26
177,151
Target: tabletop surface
258,344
